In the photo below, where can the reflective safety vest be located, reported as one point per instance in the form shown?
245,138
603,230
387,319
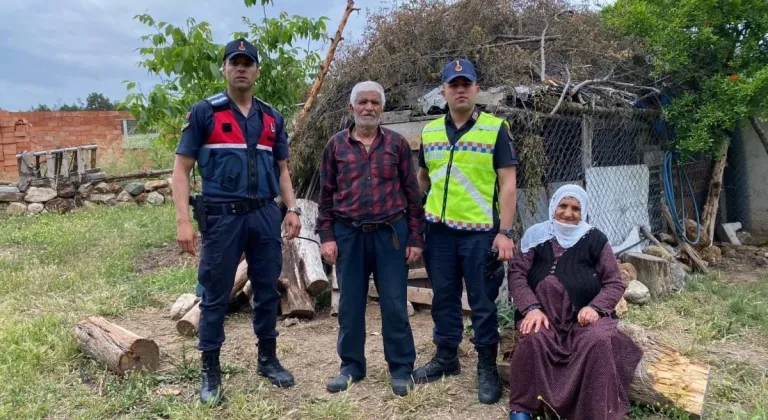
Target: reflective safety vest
462,178
234,165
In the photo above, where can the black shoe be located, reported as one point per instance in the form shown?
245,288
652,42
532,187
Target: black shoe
519,415
210,391
269,367
445,363
341,383
488,380
401,387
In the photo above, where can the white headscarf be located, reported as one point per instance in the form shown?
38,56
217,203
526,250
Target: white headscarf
566,235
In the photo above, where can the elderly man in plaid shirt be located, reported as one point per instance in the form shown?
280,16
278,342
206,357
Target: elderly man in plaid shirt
371,221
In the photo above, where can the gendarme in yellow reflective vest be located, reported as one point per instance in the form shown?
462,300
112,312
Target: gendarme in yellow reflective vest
462,178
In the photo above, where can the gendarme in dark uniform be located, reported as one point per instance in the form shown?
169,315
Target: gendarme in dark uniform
241,159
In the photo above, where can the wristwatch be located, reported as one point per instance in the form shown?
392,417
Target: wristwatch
296,210
509,233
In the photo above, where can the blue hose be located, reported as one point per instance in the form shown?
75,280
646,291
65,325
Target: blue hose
669,194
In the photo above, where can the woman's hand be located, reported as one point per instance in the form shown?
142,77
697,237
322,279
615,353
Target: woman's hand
587,315
533,321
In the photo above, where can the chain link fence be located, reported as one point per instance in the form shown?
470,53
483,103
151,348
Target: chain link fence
616,155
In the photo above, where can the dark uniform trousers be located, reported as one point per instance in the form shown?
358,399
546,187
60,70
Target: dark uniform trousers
449,255
223,242
360,254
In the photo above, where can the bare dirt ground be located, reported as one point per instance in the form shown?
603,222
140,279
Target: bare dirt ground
308,349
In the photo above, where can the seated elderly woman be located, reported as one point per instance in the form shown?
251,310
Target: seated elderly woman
566,283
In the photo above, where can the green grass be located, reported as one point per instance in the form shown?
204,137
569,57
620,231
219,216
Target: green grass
714,311
57,269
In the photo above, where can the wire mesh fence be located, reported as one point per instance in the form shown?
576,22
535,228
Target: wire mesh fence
616,155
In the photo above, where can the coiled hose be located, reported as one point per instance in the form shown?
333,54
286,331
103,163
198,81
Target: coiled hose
669,159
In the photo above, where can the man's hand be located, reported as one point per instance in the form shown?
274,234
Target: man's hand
587,315
505,246
292,225
185,236
533,321
329,251
412,254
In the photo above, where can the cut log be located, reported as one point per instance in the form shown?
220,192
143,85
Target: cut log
182,305
421,296
335,294
121,350
709,215
189,325
247,289
663,376
417,273
241,277
309,262
295,301
696,260
652,271
647,233
409,308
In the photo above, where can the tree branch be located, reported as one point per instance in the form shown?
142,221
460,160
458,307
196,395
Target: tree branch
543,69
565,90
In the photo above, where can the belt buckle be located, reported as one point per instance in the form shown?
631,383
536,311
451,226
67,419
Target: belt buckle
369,228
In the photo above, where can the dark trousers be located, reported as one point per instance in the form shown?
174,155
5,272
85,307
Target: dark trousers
223,242
360,254
451,254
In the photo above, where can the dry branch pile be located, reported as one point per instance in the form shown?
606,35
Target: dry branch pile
542,44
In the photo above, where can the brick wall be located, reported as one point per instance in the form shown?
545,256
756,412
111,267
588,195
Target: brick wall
32,131
14,136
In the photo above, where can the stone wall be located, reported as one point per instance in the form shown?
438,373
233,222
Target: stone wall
68,197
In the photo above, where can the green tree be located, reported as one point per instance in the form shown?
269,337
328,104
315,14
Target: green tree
98,102
188,61
715,51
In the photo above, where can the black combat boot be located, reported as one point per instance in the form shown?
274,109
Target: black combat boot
445,363
488,380
210,392
269,367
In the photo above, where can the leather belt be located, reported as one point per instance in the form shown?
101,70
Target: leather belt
374,226
233,208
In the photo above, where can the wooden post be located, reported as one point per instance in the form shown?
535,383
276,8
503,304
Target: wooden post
50,165
93,158
113,345
696,260
587,133
298,122
709,215
80,162
663,376
65,164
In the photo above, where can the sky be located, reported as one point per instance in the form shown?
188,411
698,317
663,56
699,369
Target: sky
56,51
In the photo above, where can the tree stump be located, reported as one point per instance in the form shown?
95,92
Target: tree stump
121,350
652,271
182,305
663,376
189,325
